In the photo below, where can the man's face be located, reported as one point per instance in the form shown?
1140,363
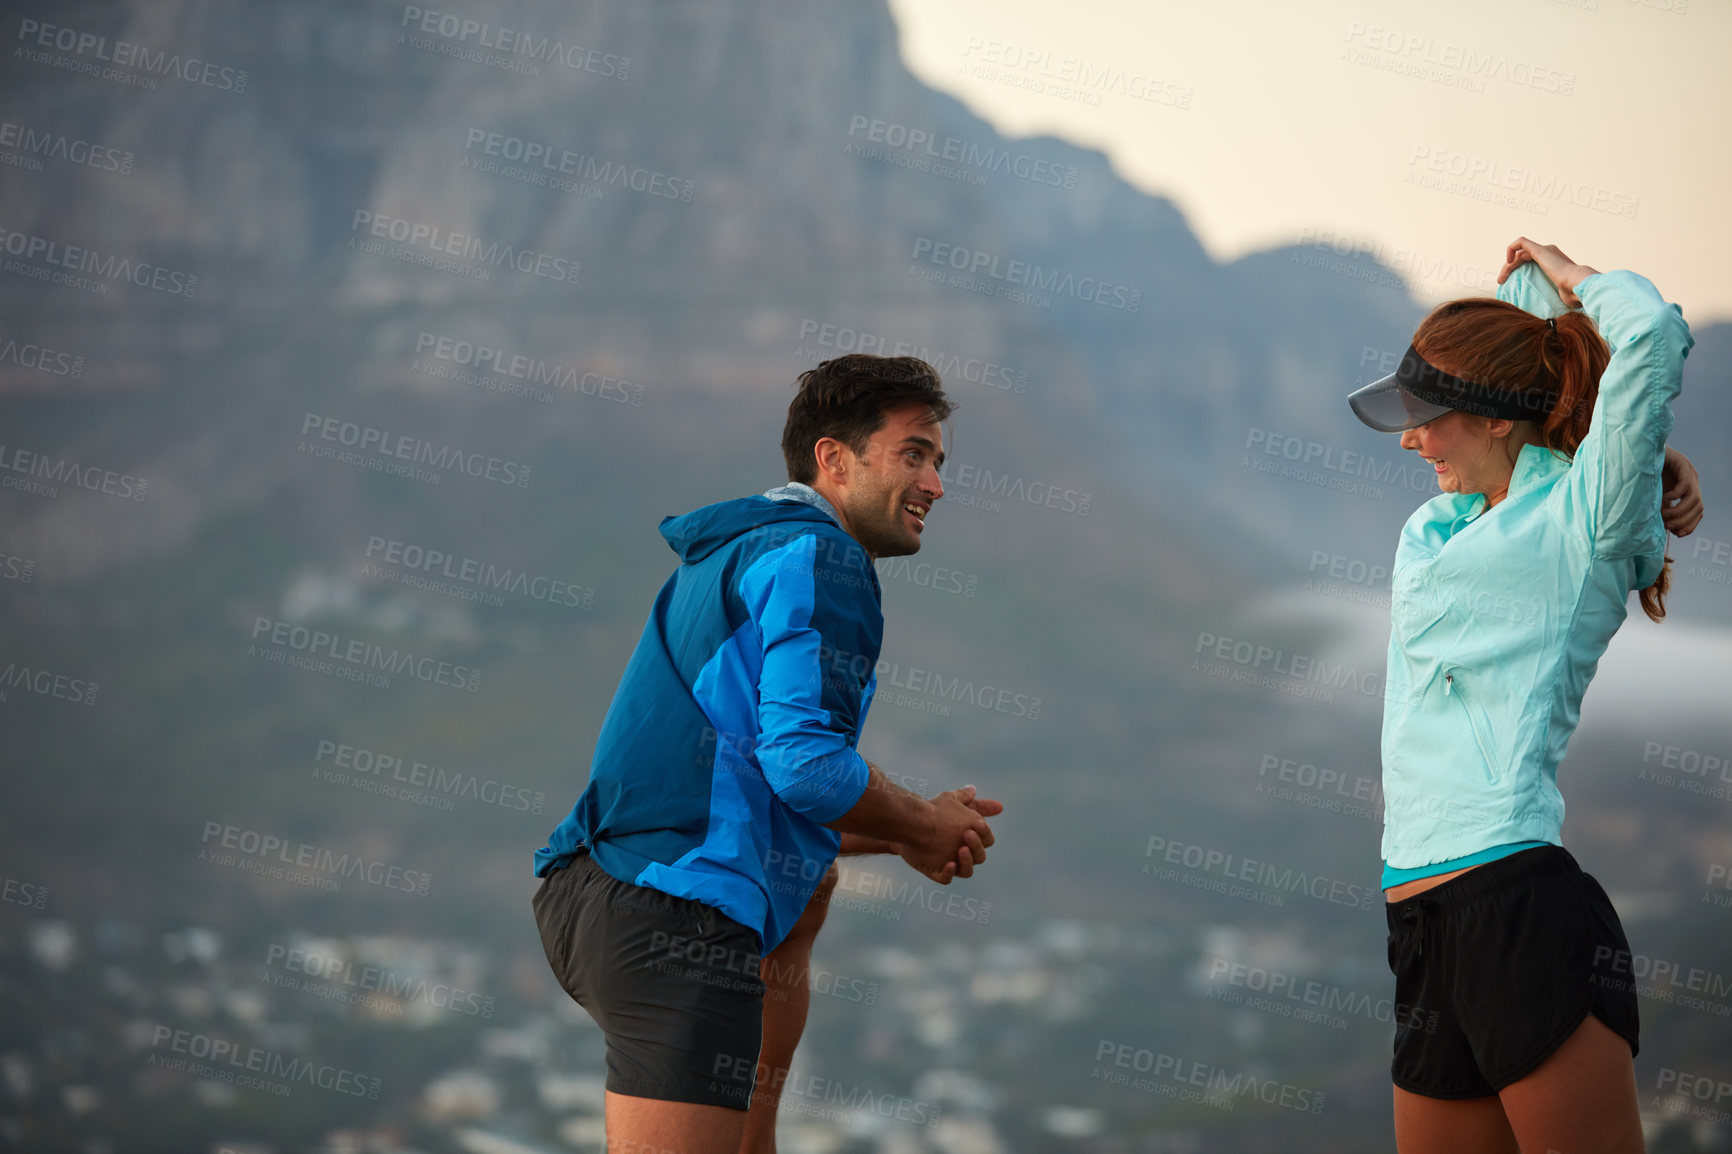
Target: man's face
889,490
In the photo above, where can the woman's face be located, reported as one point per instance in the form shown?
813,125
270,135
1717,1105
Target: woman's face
1469,453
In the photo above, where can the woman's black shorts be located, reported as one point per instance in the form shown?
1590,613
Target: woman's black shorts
1500,966
674,984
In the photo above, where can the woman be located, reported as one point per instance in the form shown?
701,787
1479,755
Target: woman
1518,1020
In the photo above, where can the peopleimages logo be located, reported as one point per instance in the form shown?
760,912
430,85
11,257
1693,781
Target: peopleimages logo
1067,77
840,667
1305,999
123,54
1485,178
58,146
308,646
1231,867
979,482
443,242
330,975
554,162
368,768
1023,274
949,365
33,356
434,563
84,259
22,893
860,890
485,358
1664,980
46,683
48,472
954,150
1299,674
403,447
515,45
1122,1060
249,1065
256,848
803,1094
1428,58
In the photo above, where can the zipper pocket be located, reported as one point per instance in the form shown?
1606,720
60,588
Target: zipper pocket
1475,723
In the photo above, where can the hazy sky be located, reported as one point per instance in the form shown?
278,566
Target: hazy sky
1434,133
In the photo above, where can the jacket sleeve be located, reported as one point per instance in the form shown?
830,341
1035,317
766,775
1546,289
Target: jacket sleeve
1530,290
1613,488
819,624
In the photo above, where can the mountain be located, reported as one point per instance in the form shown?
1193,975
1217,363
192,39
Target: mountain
790,211
511,291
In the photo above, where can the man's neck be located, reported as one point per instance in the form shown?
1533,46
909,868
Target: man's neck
834,499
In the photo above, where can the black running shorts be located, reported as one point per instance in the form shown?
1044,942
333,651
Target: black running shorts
674,984
1500,966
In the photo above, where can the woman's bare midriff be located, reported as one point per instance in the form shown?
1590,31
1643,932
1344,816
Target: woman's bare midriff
1420,885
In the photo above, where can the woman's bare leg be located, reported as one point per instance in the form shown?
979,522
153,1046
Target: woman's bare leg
1582,1099
1451,1125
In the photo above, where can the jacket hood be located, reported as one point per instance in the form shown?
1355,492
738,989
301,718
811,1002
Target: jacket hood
697,534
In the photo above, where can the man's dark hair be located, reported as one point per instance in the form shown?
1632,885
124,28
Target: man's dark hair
847,398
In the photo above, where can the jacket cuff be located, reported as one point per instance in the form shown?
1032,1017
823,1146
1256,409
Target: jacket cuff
824,802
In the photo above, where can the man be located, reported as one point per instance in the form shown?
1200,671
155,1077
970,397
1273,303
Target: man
726,780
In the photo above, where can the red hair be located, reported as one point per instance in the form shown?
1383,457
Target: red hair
1496,343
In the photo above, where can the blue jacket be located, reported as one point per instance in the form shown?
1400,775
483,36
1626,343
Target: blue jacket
1499,616
731,738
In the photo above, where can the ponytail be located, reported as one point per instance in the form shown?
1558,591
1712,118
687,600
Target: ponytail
1489,340
1572,356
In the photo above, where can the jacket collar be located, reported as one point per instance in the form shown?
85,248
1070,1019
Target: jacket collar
804,493
1534,464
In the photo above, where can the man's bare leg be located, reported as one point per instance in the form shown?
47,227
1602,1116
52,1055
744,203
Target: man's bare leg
787,997
651,1126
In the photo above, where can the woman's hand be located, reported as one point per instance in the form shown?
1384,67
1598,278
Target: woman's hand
1564,273
1681,494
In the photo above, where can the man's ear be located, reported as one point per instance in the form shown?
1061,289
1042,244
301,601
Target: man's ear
828,452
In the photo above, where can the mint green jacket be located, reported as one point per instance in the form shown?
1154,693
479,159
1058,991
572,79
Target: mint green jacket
1499,616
